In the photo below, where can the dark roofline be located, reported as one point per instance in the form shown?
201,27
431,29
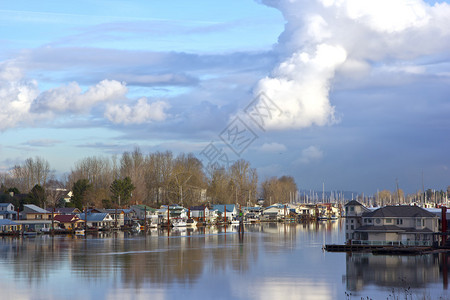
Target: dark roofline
353,202
399,211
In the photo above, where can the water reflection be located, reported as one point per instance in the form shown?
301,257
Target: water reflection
181,256
418,271
270,261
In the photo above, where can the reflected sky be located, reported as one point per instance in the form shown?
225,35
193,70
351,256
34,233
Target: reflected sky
270,261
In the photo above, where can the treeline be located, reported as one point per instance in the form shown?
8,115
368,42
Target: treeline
136,178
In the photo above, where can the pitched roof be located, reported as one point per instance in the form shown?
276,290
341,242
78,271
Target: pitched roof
199,207
382,228
353,202
391,228
94,217
67,210
4,212
405,211
5,204
67,218
4,222
143,207
221,207
36,209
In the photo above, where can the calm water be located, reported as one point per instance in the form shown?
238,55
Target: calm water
270,261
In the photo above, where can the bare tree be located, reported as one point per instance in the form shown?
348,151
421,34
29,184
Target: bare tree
98,172
133,165
244,182
278,190
31,172
54,191
188,180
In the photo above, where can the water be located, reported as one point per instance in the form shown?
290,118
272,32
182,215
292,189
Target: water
270,261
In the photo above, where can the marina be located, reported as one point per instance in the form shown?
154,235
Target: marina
268,261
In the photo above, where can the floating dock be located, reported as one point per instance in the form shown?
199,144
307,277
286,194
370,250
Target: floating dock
380,249
352,248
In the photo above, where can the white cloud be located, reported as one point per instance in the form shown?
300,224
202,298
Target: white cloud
309,155
71,98
141,112
16,95
273,147
23,103
354,37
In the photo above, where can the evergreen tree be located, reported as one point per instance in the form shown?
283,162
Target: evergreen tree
121,190
79,190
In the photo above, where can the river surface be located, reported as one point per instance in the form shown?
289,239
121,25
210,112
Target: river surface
269,261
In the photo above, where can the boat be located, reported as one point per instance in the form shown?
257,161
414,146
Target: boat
235,222
136,228
178,223
79,231
29,233
191,223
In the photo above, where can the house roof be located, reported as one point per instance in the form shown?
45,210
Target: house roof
404,211
382,228
143,207
221,207
67,210
253,208
391,228
36,209
67,218
4,222
5,212
110,211
199,207
353,202
94,217
5,204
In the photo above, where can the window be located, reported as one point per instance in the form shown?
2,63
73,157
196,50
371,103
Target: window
352,227
399,221
370,220
352,221
352,208
389,221
378,221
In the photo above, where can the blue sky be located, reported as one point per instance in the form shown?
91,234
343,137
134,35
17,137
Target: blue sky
360,87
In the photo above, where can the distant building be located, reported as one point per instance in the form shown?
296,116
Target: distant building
403,225
353,217
33,212
7,211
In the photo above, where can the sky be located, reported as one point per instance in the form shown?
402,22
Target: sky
350,94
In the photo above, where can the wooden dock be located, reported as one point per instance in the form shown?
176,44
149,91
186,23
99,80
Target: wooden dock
352,248
380,249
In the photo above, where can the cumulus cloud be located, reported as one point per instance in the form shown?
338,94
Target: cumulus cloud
323,38
16,95
310,154
23,103
71,98
141,112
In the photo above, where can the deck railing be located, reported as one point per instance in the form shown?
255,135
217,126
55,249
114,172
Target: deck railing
392,243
